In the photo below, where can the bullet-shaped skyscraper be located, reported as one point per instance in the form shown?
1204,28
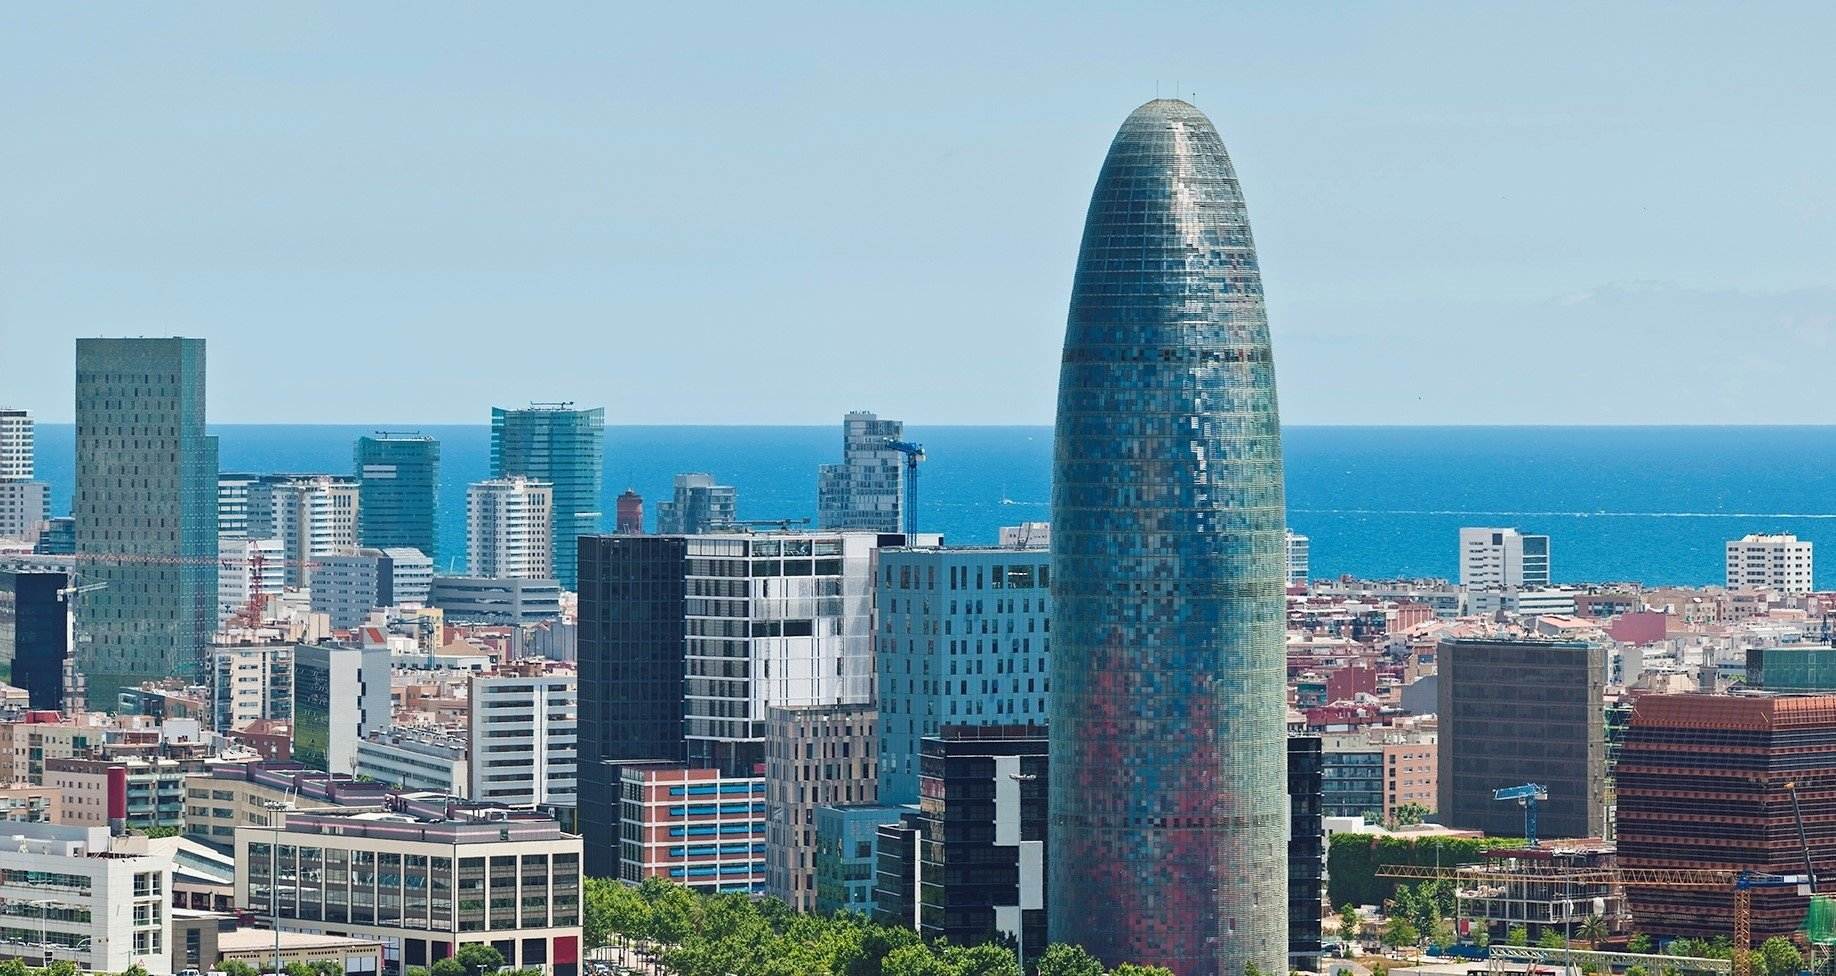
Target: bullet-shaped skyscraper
1169,805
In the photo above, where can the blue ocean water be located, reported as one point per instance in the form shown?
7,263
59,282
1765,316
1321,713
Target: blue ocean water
1647,503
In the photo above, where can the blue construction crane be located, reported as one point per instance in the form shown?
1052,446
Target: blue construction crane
1526,797
913,454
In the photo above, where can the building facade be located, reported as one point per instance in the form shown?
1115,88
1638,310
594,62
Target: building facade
815,756
866,491
566,447
340,696
1299,557
1376,772
249,683
74,894
698,507
847,855
1770,562
1168,804
18,452
146,511
1503,559
496,600
695,827
1306,851
347,585
24,508
314,516
250,572
510,529
35,634
412,758
523,736
398,477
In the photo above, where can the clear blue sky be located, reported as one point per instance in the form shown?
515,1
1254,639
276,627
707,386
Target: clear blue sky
701,213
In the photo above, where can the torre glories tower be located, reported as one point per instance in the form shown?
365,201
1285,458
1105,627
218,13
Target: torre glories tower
1169,805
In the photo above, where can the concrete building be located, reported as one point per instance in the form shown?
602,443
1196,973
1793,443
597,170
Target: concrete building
145,509
700,506
815,756
314,516
35,634
509,529
1770,562
249,572
496,600
348,585
962,637
866,491
18,454
223,797
566,448
249,683
1374,772
139,793
969,865
1503,559
522,736
340,696
25,506
847,855
244,505
1299,558
1516,711
423,887
398,477
413,758
1026,535
75,894
1168,572
695,827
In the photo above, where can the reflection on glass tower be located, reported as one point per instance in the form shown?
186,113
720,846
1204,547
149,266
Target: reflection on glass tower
1169,807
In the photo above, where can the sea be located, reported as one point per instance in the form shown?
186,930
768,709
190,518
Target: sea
1654,504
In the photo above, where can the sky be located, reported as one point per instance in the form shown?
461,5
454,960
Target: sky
1537,213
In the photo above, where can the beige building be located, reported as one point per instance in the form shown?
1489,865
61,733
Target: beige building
219,800
822,756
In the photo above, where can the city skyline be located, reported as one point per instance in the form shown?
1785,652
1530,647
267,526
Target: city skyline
393,181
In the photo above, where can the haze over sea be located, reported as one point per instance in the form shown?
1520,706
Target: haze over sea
1621,503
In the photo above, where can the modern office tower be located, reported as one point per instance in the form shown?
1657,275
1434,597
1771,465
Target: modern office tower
1298,552
523,733
1702,781
1168,676
399,490
24,507
509,529
695,827
35,634
1503,559
17,453
347,585
630,517
314,516
426,885
1771,562
340,696
1515,711
847,855
566,447
1306,852
969,866
58,537
146,512
494,600
814,756
700,506
963,638
80,895
866,491
249,573
245,505
249,683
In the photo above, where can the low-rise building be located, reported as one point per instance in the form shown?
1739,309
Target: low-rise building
139,793
416,759
496,600
76,894
695,827
223,798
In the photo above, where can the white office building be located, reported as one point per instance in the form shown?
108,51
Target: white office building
1770,562
347,585
523,736
247,569
24,508
1503,559
509,529
250,682
1298,549
340,696
16,444
483,600
314,516
75,894
415,759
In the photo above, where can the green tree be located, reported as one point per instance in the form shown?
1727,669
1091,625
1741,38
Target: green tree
446,967
1137,969
1551,938
1251,969
1443,934
915,960
1639,943
1517,935
1348,922
986,959
1408,815
1637,970
1061,959
13,967
415,971
236,967
138,970
477,958
61,967
1592,930
1780,957
1401,932
326,967
298,969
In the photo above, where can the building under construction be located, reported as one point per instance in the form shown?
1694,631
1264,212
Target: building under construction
1704,782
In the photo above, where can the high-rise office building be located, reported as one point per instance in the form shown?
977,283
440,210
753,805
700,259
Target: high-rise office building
17,454
1169,801
1306,851
340,696
399,490
566,447
866,491
962,638
1299,555
1770,562
35,634
313,516
630,513
509,529
1515,711
699,506
146,512
1503,559
814,757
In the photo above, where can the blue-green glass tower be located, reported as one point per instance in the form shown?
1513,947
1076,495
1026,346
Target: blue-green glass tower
566,447
1169,801
398,476
146,512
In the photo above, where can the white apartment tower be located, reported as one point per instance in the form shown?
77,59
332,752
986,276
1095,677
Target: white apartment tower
523,736
509,529
314,516
24,503
1298,553
1771,562
15,444
1503,559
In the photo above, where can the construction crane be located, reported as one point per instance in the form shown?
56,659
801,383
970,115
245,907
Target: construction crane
1742,883
914,453
67,592
1797,814
1526,796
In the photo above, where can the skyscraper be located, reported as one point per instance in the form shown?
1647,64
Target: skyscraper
1169,805
313,516
398,499
17,457
566,447
866,491
146,511
508,529
25,504
700,506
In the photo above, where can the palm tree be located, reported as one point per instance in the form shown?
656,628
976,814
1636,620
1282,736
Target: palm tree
1592,930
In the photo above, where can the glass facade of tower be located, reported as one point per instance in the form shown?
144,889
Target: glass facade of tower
397,503
566,447
146,512
1169,805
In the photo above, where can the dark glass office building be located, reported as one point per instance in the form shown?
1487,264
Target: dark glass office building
566,447
398,478
1169,802
33,637
1306,851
